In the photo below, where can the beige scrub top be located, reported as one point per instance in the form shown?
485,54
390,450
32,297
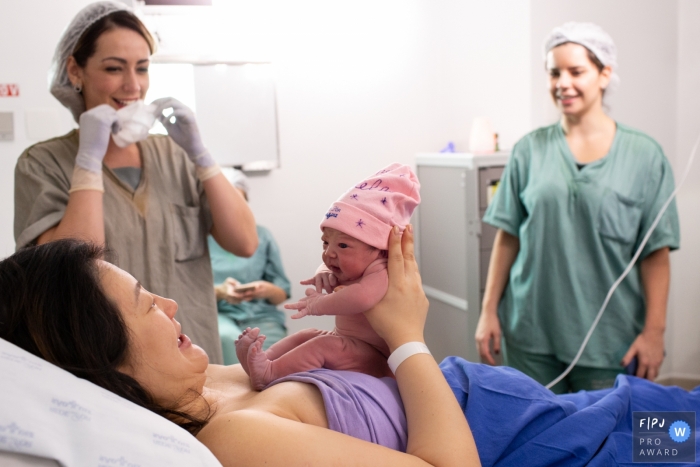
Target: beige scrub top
158,232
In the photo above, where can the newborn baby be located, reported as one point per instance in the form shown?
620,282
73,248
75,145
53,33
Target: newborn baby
353,275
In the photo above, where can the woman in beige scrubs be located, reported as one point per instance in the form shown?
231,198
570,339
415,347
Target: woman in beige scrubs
152,203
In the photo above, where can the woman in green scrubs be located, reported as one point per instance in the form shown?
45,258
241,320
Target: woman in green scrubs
573,205
248,290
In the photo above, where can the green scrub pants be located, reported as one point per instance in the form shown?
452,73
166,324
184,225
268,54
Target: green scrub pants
230,329
545,368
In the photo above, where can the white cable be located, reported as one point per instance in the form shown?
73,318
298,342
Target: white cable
629,267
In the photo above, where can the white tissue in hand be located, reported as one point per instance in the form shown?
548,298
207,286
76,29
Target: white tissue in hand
133,123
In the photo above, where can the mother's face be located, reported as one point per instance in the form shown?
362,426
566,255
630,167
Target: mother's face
160,357
117,73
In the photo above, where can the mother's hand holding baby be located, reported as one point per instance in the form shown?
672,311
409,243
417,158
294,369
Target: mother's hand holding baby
400,316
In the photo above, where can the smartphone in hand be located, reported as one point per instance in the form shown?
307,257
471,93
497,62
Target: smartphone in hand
243,288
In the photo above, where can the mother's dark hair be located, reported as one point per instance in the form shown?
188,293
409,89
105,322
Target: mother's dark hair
52,304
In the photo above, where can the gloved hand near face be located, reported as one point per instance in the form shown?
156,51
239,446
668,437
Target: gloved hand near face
181,126
95,130
125,126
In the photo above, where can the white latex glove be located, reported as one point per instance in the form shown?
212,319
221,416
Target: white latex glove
182,128
95,131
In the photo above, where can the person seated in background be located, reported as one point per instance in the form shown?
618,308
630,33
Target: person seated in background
354,275
248,290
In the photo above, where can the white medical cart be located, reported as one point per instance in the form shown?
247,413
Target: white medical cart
454,246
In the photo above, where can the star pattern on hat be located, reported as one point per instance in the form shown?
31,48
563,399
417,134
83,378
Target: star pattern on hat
360,223
384,201
354,196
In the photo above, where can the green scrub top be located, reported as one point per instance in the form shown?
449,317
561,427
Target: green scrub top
578,230
265,264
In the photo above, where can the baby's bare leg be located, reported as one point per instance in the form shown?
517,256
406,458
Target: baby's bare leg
293,341
325,351
243,343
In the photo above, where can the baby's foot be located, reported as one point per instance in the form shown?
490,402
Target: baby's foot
259,366
243,343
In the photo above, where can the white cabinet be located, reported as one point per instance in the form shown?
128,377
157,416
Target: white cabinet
454,246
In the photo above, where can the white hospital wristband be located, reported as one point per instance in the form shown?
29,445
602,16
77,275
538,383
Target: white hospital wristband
404,351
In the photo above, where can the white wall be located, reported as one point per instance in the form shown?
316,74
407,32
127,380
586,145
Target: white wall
27,42
685,292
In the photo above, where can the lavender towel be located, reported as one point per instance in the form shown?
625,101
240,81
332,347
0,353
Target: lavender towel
360,405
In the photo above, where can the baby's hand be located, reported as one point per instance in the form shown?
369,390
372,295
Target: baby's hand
322,281
301,313
300,306
304,306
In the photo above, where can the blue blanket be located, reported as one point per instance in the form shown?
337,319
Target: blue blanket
517,422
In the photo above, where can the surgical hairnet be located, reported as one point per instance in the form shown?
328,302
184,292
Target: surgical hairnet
236,178
592,37
59,83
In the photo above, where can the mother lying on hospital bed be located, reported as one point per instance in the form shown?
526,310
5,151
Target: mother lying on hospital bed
63,303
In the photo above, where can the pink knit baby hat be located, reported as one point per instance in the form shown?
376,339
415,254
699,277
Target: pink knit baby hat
372,207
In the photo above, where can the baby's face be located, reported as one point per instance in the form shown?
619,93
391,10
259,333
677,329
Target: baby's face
346,256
